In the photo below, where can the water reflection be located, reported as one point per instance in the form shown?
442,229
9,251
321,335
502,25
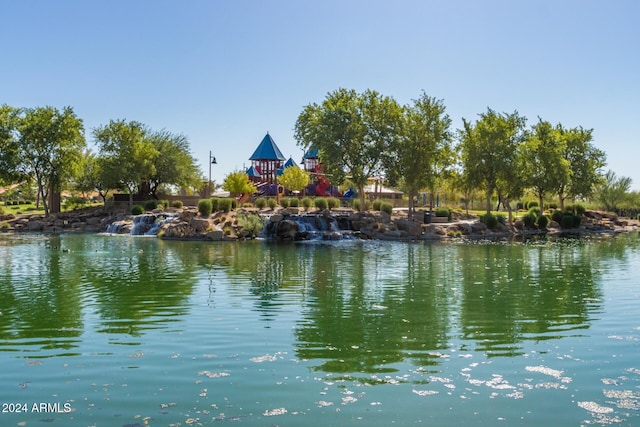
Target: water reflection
50,284
370,308
363,306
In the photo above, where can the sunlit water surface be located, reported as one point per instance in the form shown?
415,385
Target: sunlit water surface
122,331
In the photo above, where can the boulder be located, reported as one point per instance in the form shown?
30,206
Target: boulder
200,225
478,228
276,218
215,235
412,228
35,226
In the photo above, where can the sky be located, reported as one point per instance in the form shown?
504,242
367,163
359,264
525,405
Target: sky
224,73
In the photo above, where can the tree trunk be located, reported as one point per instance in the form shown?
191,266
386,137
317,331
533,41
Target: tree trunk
363,204
489,193
507,204
540,204
412,206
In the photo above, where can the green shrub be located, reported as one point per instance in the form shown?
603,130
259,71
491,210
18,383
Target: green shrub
205,207
542,221
376,205
320,203
271,202
532,205
261,203
294,202
490,220
356,205
73,202
386,207
579,209
176,204
164,203
284,202
253,224
333,202
225,204
535,211
151,205
234,203
444,213
553,206
306,203
577,220
557,216
502,219
567,220
520,205
529,219
570,220
215,204
570,208
137,209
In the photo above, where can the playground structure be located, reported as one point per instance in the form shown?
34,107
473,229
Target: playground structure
267,163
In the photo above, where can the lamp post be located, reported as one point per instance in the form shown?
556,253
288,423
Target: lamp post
212,161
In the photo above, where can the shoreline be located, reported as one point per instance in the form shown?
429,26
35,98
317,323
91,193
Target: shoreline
286,225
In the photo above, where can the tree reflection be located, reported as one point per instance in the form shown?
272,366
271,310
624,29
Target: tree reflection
368,309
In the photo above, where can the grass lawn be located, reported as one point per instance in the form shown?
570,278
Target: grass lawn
30,208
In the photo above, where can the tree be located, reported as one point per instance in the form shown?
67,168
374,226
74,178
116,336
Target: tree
127,156
423,150
238,182
86,180
174,164
10,165
294,178
50,146
613,190
585,162
547,169
490,149
351,132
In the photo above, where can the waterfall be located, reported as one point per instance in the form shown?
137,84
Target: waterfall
142,225
305,227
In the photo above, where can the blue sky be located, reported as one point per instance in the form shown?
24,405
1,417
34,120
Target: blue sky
223,73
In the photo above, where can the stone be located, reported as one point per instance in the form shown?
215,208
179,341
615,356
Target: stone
478,227
200,225
215,235
412,228
34,226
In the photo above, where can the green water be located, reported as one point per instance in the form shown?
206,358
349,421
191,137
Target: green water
122,331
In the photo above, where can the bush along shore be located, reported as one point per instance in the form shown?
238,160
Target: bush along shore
298,223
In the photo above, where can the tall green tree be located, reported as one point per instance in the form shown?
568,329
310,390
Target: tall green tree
127,156
85,181
613,190
50,143
352,132
10,164
547,169
423,150
585,162
174,164
490,151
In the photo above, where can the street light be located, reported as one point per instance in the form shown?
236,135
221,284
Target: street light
212,161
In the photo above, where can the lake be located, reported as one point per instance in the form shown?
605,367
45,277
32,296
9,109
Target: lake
135,331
